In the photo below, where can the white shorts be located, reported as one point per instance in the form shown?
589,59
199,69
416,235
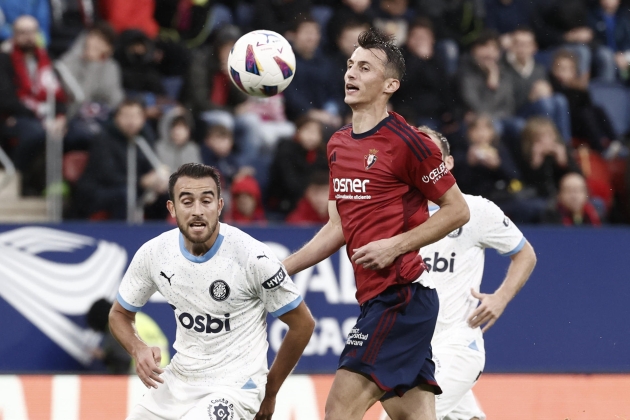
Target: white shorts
178,400
459,358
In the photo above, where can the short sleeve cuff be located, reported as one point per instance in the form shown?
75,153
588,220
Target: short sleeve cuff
126,305
516,250
287,308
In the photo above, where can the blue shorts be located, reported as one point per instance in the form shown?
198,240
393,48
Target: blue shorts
391,341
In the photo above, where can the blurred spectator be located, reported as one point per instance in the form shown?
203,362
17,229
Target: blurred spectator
210,94
589,122
125,15
246,203
458,20
218,151
532,91
101,192
310,91
26,78
175,145
93,80
89,72
279,16
486,167
110,352
505,16
313,206
546,157
611,25
68,19
426,95
394,17
359,12
140,75
294,162
345,44
12,10
487,87
564,23
573,207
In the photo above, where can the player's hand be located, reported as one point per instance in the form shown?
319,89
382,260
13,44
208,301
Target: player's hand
489,310
148,366
267,407
375,255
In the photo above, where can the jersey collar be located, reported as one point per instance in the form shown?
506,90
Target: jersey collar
373,130
205,257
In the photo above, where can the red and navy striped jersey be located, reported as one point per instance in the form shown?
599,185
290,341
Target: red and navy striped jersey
381,181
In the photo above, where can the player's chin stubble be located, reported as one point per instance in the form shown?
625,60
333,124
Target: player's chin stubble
184,229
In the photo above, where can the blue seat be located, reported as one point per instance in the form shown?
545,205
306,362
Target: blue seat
614,99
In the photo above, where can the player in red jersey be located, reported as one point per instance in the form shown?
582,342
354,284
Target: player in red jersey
382,172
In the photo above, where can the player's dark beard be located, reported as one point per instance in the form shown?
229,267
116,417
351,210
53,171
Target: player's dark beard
183,228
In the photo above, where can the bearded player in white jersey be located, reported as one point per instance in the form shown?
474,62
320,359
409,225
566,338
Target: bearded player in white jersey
221,283
456,266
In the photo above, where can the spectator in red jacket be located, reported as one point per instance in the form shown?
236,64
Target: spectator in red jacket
313,206
26,78
246,203
125,14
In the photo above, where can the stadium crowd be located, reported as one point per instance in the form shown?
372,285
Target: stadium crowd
532,94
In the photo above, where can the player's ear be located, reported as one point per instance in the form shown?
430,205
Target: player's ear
221,203
171,208
450,162
391,85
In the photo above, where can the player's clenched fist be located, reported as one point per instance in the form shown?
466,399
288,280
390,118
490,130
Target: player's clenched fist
267,407
148,366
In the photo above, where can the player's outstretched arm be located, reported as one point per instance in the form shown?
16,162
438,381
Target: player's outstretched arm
492,305
325,243
453,214
301,325
122,327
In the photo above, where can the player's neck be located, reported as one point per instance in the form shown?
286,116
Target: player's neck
365,118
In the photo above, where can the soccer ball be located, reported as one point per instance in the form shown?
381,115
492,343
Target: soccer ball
261,63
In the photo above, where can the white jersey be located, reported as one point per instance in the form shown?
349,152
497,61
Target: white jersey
220,300
456,261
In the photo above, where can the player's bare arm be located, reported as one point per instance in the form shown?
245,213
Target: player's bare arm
122,327
301,325
492,305
325,243
453,214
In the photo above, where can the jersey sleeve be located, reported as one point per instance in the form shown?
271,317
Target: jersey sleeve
418,162
273,285
137,286
497,230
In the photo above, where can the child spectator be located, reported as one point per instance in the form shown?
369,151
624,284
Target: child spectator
294,162
313,206
589,122
394,17
246,203
218,151
175,146
357,11
573,207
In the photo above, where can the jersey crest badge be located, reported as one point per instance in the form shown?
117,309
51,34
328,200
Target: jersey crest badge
219,290
370,159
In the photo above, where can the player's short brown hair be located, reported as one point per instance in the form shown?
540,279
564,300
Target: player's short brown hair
195,171
445,146
375,39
